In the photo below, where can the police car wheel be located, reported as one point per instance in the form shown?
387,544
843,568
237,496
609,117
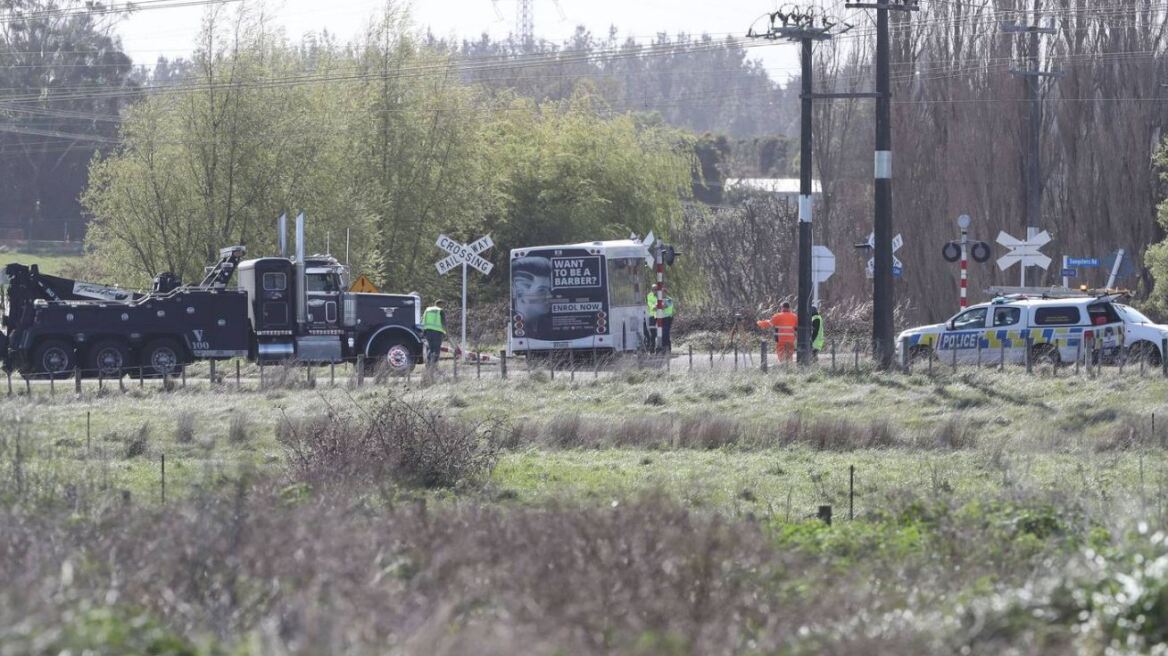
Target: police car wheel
108,358
919,354
53,358
1045,354
1145,352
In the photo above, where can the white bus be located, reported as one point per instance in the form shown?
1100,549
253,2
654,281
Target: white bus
579,297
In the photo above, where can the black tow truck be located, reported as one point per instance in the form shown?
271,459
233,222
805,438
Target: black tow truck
282,310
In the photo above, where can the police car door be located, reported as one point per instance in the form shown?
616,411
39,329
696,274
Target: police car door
961,336
1004,337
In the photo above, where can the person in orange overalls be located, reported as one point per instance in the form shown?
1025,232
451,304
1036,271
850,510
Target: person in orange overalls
785,323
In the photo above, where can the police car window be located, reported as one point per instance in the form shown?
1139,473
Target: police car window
275,282
1007,316
1056,316
322,282
1102,313
974,318
1133,315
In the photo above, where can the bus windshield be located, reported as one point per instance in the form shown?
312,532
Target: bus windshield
624,281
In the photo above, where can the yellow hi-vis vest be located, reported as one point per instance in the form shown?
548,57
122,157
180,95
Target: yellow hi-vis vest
432,319
817,343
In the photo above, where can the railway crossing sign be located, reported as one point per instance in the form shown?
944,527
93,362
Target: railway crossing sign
465,255
1024,251
897,265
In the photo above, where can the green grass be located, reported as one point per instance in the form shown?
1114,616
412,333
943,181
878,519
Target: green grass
50,264
1021,432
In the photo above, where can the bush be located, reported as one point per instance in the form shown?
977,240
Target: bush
137,444
393,441
239,431
184,428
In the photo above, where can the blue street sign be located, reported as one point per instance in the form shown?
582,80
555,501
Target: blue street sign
1083,262
1069,273
896,271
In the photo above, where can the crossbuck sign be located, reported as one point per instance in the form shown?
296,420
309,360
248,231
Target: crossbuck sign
1024,252
465,255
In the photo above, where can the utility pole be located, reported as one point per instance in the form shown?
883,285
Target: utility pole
883,297
805,27
1033,75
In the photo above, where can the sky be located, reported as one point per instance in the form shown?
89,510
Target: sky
171,32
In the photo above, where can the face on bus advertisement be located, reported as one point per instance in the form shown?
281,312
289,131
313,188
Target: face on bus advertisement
531,283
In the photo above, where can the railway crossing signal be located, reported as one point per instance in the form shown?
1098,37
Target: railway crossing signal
465,255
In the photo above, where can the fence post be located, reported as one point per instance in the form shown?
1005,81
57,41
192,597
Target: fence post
857,357
141,377
1002,361
182,372
735,356
237,379
824,514
77,379
1164,357
52,386
332,374
691,357
762,355
163,468
954,360
360,370
212,374
1142,361
712,358
931,354
905,360
1078,353
833,356
1029,354
503,364
478,364
27,386
851,492
100,379
978,365
9,375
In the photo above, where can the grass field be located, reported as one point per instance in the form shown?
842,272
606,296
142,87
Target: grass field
636,513
50,264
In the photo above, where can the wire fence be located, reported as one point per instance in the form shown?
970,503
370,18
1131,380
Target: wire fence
853,357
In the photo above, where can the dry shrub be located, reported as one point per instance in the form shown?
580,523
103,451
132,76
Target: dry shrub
239,430
136,446
184,428
837,434
710,432
954,433
391,441
1128,432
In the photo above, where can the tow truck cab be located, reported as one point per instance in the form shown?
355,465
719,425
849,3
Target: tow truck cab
318,321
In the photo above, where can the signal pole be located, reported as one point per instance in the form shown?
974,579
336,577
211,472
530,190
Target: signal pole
1033,75
883,298
805,27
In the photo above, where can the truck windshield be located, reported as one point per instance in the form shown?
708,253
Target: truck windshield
322,282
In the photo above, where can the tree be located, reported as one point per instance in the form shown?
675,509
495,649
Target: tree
63,82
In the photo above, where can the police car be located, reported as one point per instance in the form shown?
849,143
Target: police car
1054,324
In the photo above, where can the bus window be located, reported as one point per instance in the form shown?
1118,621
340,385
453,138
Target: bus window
624,282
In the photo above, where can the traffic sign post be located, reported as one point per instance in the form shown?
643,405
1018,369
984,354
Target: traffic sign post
1024,252
465,255
822,268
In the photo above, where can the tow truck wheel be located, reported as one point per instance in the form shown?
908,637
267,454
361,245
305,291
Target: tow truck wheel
1146,352
53,358
162,357
393,357
109,358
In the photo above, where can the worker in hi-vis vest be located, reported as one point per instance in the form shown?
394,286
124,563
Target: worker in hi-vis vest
784,322
816,331
666,345
434,329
